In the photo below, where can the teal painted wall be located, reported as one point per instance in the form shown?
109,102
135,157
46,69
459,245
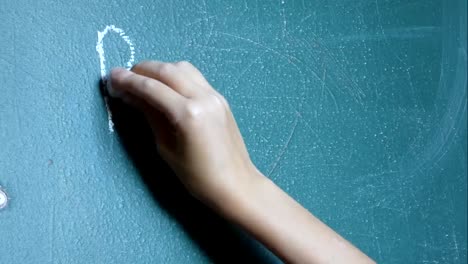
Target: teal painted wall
356,108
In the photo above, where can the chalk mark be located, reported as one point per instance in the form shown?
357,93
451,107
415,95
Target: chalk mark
100,51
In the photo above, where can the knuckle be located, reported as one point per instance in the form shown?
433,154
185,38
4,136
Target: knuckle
166,69
193,116
147,84
212,108
224,102
184,64
193,111
218,101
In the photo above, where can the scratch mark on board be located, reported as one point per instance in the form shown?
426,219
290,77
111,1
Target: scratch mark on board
292,60
283,16
393,33
257,23
285,147
324,87
210,34
455,245
379,248
259,57
379,17
200,20
287,57
353,88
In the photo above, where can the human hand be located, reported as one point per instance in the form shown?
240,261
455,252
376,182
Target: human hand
196,134
195,131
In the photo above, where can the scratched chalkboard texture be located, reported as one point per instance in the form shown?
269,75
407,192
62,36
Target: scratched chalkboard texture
356,108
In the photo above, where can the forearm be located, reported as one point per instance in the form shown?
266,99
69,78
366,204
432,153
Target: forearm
285,227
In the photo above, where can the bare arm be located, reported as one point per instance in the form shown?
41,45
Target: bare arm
198,137
288,229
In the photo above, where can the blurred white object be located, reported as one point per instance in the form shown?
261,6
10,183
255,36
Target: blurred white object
3,198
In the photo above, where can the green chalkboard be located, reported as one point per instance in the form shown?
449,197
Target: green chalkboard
356,108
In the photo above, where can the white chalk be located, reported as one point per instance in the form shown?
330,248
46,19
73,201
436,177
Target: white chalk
100,51
3,199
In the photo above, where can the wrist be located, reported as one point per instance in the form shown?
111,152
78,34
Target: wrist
237,200
246,205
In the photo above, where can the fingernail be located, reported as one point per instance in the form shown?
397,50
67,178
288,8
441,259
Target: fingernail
109,79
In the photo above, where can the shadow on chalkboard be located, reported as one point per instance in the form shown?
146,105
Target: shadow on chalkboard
221,241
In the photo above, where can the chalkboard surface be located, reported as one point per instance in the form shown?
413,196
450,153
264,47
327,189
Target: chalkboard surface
356,108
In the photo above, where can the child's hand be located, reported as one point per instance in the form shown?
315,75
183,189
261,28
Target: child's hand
194,128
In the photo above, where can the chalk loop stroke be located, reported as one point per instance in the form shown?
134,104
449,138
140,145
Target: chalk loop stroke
100,48
102,60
